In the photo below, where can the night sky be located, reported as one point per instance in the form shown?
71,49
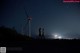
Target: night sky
54,16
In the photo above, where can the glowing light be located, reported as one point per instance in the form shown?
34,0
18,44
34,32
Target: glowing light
57,37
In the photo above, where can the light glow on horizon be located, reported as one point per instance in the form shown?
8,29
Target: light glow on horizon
57,37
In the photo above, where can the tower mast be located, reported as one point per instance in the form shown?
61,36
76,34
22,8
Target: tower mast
29,25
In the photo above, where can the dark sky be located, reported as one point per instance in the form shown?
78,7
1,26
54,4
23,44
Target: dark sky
54,16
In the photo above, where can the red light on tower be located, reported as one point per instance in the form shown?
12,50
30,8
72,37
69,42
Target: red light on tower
71,1
29,18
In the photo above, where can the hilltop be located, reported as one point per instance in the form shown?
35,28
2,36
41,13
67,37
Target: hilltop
8,34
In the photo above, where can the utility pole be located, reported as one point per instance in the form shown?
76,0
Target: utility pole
29,25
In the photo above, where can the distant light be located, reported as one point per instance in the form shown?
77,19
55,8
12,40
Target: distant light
55,36
59,37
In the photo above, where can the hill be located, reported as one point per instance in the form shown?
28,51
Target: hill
8,34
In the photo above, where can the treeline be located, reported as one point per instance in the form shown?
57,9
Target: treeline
10,34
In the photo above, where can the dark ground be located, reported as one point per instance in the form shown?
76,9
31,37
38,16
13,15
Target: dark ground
43,46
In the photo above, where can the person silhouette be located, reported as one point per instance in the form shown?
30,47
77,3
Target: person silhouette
40,31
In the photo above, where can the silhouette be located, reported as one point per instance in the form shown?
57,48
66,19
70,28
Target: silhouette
41,33
8,34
